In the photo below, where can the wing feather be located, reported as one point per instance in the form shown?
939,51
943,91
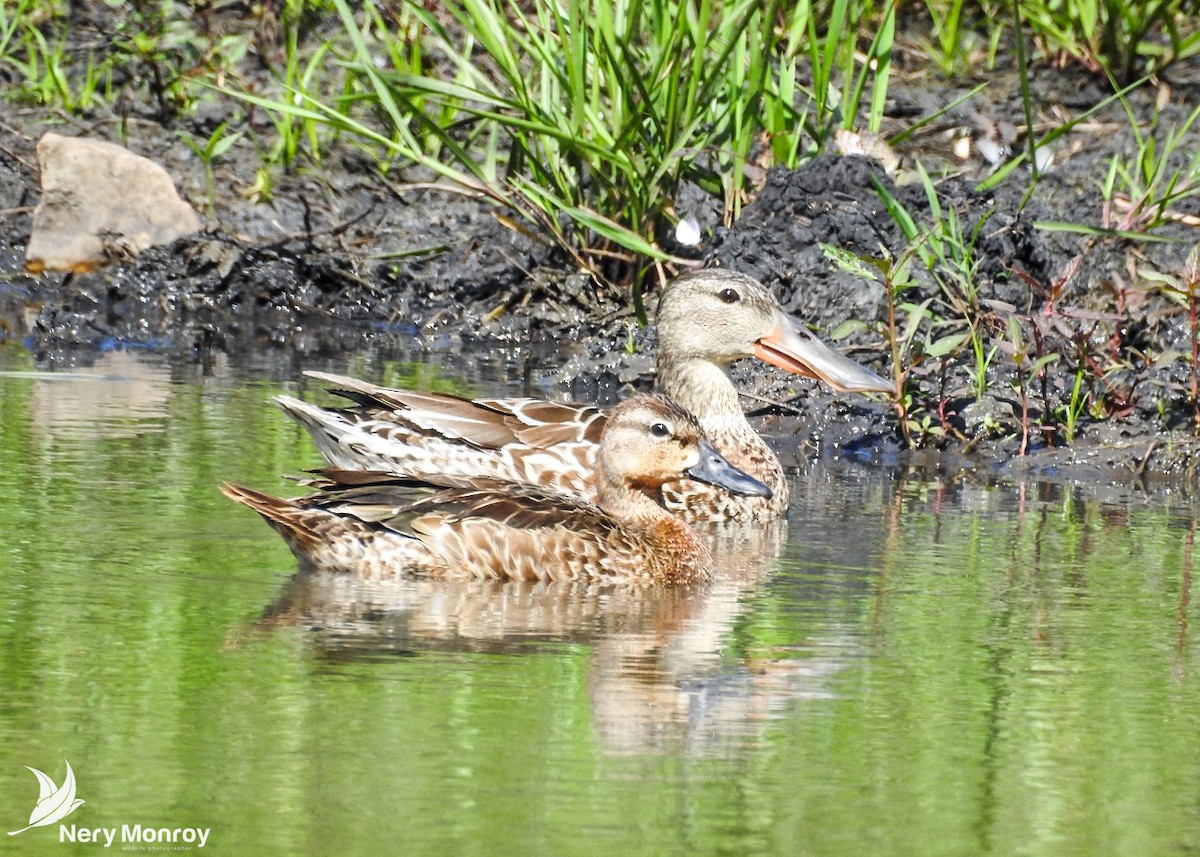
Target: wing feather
397,501
486,423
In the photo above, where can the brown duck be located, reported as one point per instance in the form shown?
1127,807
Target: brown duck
380,525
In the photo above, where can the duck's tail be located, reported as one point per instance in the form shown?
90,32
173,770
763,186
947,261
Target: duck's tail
298,526
333,431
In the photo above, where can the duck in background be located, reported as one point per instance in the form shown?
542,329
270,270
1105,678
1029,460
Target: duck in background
706,320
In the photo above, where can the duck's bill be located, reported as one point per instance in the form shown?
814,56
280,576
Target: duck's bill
798,351
715,470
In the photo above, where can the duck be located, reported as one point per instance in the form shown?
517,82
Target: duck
382,525
706,320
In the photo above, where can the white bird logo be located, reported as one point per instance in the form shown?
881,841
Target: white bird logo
53,803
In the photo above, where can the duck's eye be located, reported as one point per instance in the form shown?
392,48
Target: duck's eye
729,296
660,429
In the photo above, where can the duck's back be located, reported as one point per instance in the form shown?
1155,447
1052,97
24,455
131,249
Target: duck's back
371,525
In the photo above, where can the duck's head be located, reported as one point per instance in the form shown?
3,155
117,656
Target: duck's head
649,440
719,316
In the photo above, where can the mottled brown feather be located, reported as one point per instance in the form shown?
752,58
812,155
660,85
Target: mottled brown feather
381,524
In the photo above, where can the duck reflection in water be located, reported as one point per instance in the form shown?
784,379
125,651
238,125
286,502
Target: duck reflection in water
660,673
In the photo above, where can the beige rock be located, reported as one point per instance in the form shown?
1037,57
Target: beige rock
100,200
869,146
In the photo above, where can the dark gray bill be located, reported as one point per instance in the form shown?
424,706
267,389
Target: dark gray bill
715,470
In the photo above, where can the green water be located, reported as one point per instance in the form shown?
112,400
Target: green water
925,668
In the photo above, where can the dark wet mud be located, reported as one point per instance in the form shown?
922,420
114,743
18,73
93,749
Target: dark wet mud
341,258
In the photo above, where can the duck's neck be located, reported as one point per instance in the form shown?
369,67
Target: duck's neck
628,504
677,553
704,388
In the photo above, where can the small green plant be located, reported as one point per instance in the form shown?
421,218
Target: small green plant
1070,411
292,129
304,79
11,23
948,252
1116,36
168,50
19,38
208,151
262,188
1138,191
1030,367
151,43
955,45
42,65
903,330
833,55
1184,287
46,76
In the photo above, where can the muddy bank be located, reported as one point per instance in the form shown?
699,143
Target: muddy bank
340,258
1141,425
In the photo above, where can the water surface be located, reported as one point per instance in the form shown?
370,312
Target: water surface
912,665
